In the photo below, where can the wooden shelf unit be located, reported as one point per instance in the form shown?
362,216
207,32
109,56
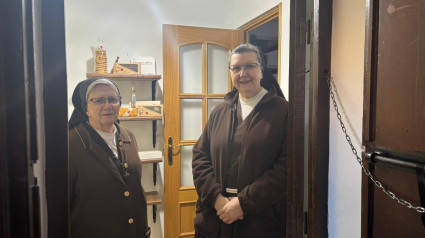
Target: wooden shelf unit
153,198
153,160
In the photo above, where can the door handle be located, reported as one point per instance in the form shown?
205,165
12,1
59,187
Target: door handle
170,150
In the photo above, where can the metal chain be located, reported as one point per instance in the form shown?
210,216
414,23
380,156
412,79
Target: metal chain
341,106
359,160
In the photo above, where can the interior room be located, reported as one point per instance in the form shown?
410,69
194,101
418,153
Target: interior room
330,181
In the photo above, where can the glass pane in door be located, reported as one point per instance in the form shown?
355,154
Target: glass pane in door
191,118
213,103
217,69
191,68
186,178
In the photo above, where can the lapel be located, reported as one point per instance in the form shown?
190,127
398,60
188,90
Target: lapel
92,145
123,134
123,145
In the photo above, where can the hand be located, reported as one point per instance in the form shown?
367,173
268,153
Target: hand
220,201
231,211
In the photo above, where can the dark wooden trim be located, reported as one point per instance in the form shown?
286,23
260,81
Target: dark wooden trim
318,144
261,19
370,63
367,203
4,168
56,116
17,137
366,122
295,163
369,92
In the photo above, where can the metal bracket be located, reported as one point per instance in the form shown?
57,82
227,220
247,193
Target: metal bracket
155,165
154,213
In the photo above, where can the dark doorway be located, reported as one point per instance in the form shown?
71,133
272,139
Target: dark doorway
266,37
265,32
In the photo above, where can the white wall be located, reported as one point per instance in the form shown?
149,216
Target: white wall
348,32
134,28
246,10
131,27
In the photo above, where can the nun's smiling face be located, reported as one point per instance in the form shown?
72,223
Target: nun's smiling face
246,74
103,106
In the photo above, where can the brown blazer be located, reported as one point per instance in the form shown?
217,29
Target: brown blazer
262,171
102,203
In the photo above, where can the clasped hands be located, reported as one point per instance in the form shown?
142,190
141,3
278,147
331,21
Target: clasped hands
228,209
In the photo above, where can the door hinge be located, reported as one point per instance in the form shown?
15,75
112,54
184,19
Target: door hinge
305,222
308,32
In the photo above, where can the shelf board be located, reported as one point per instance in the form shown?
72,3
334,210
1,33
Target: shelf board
140,118
125,77
152,198
152,160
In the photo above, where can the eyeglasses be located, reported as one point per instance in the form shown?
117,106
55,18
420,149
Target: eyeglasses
111,100
247,67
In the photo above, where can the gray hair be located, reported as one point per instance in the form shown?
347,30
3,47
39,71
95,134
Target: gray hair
100,81
247,47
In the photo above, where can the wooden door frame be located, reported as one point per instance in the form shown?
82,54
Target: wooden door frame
18,212
55,116
311,220
18,144
295,163
318,143
370,63
262,19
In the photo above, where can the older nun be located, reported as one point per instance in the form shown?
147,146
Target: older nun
107,198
